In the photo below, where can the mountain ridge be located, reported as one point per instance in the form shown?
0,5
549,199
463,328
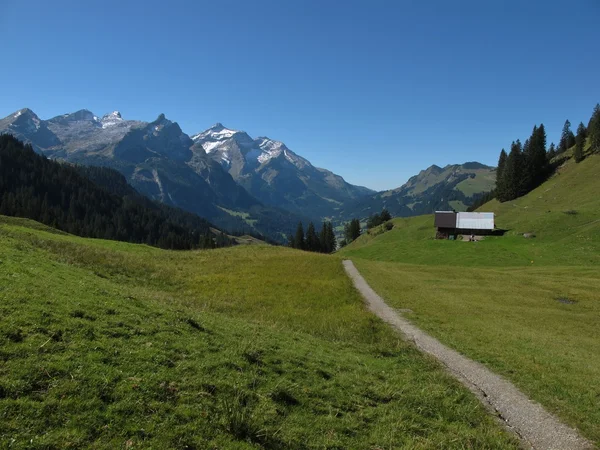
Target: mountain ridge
232,179
453,186
275,174
157,158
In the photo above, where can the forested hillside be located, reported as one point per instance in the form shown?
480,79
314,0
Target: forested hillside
91,202
528,165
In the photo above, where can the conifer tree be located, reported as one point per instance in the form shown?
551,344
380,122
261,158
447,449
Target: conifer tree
513,172
323,239
352,230
299,241
593,130
567,138
500,180
385,215
551,151
579,143
537,162
312,241
331,240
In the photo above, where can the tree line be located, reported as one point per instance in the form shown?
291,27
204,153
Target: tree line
377,219
93,202
311,241
528,165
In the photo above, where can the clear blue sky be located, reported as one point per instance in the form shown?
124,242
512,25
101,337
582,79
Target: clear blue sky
374,91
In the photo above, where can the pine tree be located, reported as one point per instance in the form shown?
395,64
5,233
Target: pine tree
513,173
551,151
299,241
385,215
500,181
593,129
567,138
352,230
579,143
312,241
324,247
536,160
331,240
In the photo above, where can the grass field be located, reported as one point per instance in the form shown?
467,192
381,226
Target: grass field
527,308
112,345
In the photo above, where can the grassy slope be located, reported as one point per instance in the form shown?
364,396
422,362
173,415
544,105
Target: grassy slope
496,300
484,181
111,345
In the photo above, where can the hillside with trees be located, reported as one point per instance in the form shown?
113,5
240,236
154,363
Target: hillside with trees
92,202
528,165
322,242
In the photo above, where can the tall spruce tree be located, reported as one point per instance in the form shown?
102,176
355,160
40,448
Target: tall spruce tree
537,162
385,215
331,240
500,181
551,151
593,129
567,138
513,172
312,240
323,239
579,143
352,230
299,241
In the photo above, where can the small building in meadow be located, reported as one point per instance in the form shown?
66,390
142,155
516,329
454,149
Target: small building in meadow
450,224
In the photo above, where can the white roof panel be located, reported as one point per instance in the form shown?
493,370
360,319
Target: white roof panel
475,221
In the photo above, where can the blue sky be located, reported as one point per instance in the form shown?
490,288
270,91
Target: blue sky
374,91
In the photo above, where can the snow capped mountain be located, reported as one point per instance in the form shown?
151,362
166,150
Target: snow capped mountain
111,119
214,135
226,145
273,173
274,149
158,159
220,167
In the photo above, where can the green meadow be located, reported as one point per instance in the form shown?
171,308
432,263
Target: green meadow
113,345
528,308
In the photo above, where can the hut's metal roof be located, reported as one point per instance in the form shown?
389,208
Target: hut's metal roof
475,221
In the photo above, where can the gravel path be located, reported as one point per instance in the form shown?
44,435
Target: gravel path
536,427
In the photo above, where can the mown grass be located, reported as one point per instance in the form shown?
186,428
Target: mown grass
527,308
113,345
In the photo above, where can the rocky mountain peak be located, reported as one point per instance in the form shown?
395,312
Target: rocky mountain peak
111,119
25,114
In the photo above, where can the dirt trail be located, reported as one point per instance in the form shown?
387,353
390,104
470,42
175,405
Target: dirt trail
535,426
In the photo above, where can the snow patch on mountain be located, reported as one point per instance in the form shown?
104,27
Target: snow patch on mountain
215,133
112,119
270,149
209,147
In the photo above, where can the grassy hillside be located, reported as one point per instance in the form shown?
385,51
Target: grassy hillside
563,213
527,308
113,345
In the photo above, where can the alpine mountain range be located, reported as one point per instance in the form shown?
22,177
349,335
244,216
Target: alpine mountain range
233,180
